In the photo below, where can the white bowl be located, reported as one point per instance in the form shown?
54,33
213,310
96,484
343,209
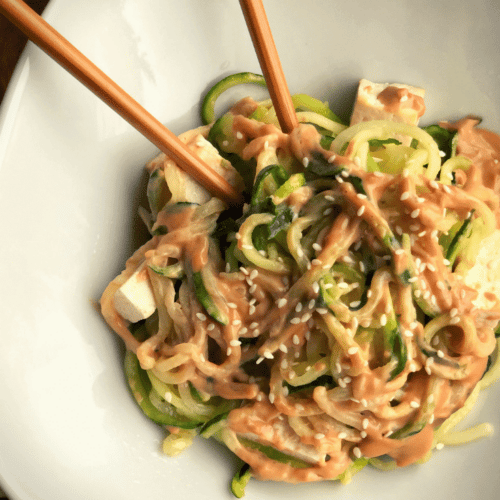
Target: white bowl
71,177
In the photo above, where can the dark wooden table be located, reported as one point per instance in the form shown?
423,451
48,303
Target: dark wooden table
12,42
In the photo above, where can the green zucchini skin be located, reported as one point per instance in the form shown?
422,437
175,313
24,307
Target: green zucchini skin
140,386
208,104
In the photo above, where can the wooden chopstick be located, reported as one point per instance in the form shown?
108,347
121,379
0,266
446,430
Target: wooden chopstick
57,47
262,38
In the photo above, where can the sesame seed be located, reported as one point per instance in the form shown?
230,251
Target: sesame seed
342,383
399,251
235,343
259,360
251,309
366,423
439,446
305,161
357,452
453,312
328,211
311,304
342,435
298,307
431,419
408,333
362,196
364,403
295,321
282,303
252,288
431,268
319,435
442,154
454,320
383,320
295,339
317,246
446,262
299,407
305,318
447,189
236,322
283,348
247,247
284,364
415,404
268,354
202,358
413,279
321,310
434,184
259,397
363,434
315,287
239,135
331,159
404,196
271,398
168,397
440,353
355,303
352,350
422,233
254,274
415,213
228,351
210,327
361,211
201,316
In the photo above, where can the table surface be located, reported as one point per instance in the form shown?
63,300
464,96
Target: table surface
12,42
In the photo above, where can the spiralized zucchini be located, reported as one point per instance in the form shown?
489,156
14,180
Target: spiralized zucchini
326,325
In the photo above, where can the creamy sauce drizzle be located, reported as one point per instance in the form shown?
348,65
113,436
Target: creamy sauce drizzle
338,422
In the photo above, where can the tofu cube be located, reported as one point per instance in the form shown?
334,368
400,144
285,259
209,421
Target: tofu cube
135,300
383,101
484,276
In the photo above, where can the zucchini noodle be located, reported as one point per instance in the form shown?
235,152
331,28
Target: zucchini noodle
338,319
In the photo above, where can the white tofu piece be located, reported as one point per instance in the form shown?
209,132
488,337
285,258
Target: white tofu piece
182,186
484,276
135,300
388,101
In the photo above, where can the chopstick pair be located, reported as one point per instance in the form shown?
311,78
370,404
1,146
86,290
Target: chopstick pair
70,58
